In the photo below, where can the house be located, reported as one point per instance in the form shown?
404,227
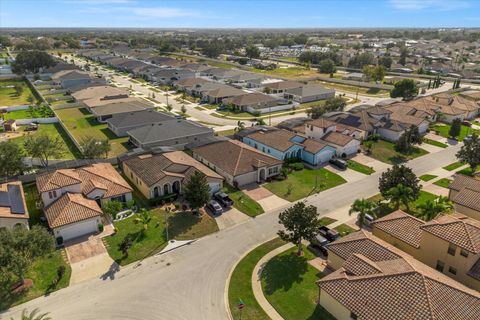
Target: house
281,86
257,102
173,133
450,243
121,123
188,84
237,162
309,93
465,194
9,125
169,76
162,174
95,92
355,76
13,208
59,66
220,93
375,280
283,144
105,109
72,198
71,78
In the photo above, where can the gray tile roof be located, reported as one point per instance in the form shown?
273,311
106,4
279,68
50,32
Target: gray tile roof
131,119
13,198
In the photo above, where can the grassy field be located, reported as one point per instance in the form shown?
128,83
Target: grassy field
225,133
385,151
243,202
360,167
444,129
8,96
300,184
353,89
240,286
453,166
435,143
443,182
181,226
427,177
54,130
289,284
81,124
291,72
385,208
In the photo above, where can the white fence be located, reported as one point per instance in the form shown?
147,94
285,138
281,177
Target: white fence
21,122
15,108
272,109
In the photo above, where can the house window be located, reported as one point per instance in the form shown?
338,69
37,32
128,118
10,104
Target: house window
452,270
451,249
54,193
263,149
268,150
440,266
464,253
256,147
50,195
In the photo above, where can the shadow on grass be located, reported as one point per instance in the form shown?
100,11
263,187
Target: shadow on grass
84,111
68,141
320,314
281,272
180,223
108,133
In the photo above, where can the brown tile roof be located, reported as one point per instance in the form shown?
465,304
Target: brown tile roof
321,123
235,157
190,82
457,229
397,288
462,181
468,198
337,138
249,99
283,85
277,139
225,91
151,168
101,175
402,226
71,208
313,146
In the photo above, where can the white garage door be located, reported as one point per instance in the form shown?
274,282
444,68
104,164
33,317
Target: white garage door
78,229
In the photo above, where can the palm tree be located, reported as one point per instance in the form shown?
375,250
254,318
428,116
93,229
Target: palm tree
363,207
401,194
430,209
144,218
240,126
33,315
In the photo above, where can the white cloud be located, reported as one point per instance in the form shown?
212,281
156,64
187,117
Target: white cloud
443,5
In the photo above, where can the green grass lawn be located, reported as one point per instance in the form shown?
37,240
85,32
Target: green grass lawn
42,271
360,167
225,133
181,226
444,129
344,229
240,286
385,151
435,143
427,177
443,182
289,284
453,166
31,198
304,182
325,221
468,171
243,202
386,208
54,129
8,96
81,123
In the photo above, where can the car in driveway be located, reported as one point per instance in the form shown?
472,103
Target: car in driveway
320,242
339,163
224,199
467,123
330,234
215,207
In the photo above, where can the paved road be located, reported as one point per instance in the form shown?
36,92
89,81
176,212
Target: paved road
189,283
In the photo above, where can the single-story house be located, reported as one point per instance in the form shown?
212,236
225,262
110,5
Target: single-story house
13,208
71,78
465,195
309,93
98,92
237,162
174,133
256,102
188,83
9,125
118,106
355,76
121,123
162,174
217,95
281,86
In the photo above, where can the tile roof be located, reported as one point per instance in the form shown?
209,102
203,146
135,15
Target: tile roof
283,85
235,157
462,181
12,201
337,138
71,208
70,75
277,139
402,226
132,119
321,123
313,146
225,91
469,198
250,99
98,92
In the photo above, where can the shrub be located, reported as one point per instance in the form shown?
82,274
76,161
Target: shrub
100,227
297,166
131,204
166,198
59,241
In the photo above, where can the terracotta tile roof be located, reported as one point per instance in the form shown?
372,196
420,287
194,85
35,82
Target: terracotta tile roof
71,208
235,157
457,229
468,198
321,123
57,179
402,226
337,138
277,139
462,181
313,146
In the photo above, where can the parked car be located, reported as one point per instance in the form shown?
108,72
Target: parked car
468,138
224,199
215,207
320,242
339,163
328,233
466,123
179,117
367,221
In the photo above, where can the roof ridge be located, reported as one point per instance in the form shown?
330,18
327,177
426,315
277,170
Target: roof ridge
427,294
238,161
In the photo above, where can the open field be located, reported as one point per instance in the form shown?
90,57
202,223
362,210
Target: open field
8,95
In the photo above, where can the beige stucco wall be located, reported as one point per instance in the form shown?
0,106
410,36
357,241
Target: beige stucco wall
334,307
76,188
11,222
474,214
395,242
334,261
132,177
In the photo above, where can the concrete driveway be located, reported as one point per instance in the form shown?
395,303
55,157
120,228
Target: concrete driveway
264,197
89,259
371,162
349,174
229,218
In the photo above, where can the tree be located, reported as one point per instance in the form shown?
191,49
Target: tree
401,194
125,245
385,61
183,109
403,56
93,148
315,112
399,174
143,217
360,60
300,222
430,209
403,144
197,191
112,208
335,104
406,88
18,89
327,66
455,128
32,61
378,73
44,147
212,49
368,145
11,163
240,126
33,315
468,153
252,52
363,207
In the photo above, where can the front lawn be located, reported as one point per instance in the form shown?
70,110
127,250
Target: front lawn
386,208
243,202
360,167
444,129
240,286
289,284
385,151
435,143
225,133
453,166
181,226
325,221
443,182
43,272
344,229
427,177
300,184
8,94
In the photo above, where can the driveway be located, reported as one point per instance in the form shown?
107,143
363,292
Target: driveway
371,162
264,197
89,259
349,174
229,218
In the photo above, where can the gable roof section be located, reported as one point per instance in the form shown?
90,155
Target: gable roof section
337,138
402,226
280,140
71,208
250,99
144,117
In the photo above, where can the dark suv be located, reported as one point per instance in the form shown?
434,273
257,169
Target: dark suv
328,233
224,199
339,163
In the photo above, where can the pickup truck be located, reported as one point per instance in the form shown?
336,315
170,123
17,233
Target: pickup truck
320,242
224,199
329,234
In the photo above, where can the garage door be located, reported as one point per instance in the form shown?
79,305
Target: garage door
214,187
79,229
324,156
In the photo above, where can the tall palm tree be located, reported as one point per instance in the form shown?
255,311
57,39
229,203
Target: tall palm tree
240,125
144,218
401,194
430,209
33,315
363,207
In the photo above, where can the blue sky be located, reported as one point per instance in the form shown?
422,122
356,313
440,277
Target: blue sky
239,14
